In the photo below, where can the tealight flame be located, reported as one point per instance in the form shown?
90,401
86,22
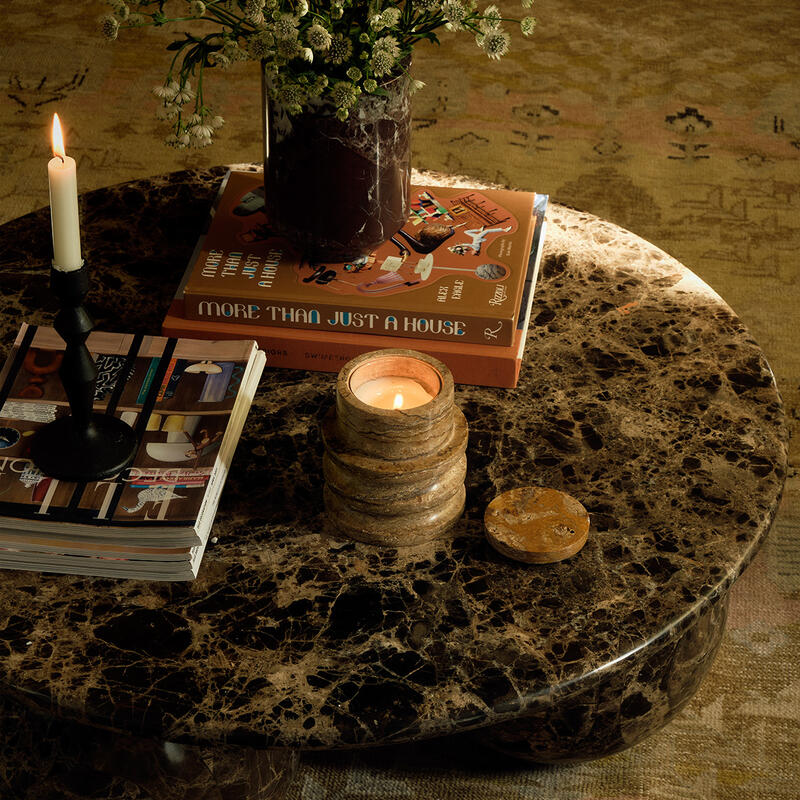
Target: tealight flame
398,401
58,139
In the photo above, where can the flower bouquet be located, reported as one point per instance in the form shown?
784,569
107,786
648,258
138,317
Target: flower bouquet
336,83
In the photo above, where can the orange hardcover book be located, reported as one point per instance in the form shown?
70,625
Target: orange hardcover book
328,351
454,272
296,348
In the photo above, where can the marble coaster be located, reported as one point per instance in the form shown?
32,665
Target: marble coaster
536,525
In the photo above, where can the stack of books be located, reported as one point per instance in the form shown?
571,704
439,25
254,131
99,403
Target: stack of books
187,402
456,282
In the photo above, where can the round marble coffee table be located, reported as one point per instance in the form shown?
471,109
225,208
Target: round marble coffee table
641,394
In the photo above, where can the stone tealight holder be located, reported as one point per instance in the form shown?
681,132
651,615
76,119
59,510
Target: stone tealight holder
394,476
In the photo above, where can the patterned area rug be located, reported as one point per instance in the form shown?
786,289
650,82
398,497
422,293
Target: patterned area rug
679,121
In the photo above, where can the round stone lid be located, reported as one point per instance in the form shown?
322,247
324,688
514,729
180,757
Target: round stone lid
536,525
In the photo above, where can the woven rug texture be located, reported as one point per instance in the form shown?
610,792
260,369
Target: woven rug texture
678,120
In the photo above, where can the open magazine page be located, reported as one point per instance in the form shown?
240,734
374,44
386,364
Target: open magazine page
177,395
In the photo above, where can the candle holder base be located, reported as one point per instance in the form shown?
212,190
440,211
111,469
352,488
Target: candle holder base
64,450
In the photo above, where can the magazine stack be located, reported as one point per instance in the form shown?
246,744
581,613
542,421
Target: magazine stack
186,401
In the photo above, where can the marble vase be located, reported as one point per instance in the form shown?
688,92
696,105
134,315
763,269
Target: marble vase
337,189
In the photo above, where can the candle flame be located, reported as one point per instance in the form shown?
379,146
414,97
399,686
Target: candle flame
58,139
398,401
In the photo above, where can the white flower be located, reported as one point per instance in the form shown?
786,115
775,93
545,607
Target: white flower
120,9
184,94
184,140
340,50
387,44
201,131
415,86
527,3
527,25
455,13
288,48
285,27
427,5
219,59
232,50
166,111
491,19
217,122
292,95
261,45
302,8
109,27
164,92
382,62
390,16
318,38
197,7
343,94
376,22
494,44
254,12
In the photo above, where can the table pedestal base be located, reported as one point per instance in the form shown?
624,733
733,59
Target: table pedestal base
633,699
46,758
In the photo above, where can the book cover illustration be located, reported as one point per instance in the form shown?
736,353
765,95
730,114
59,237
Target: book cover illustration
465,226
455,271
298,348
177,395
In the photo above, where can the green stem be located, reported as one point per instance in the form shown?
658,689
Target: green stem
157,24
199,101
174,59
224,17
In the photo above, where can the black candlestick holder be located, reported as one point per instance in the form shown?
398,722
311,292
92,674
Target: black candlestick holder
85,445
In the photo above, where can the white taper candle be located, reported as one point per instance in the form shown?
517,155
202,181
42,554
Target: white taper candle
64,222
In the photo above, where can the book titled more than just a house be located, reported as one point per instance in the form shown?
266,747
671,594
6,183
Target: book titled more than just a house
295,347
454,272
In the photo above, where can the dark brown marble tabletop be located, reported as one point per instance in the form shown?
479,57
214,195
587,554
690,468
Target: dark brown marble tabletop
641,394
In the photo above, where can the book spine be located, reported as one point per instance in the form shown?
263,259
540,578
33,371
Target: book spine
332,317
327,356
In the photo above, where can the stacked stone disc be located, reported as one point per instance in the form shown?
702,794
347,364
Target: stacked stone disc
394,477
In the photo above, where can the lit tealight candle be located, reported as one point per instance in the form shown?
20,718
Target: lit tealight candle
394,478
393,392
62,177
